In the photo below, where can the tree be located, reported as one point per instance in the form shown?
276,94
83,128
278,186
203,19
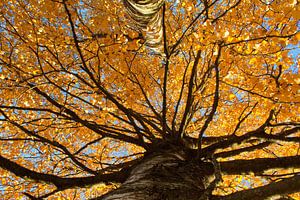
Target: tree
149,99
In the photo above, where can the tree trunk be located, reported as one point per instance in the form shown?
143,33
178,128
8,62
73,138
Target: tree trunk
162,176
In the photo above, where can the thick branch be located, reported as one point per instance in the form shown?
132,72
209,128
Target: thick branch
259,165
286,186
60,182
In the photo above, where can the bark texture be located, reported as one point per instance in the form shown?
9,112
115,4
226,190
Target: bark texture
168,176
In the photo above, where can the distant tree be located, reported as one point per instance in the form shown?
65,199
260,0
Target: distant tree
150,99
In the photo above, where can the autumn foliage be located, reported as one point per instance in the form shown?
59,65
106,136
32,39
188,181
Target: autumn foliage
87,89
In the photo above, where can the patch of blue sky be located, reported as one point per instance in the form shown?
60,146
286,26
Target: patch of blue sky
240,95
294,52
120,153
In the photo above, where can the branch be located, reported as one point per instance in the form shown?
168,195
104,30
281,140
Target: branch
242,119
166,65
239,139
179,99
158,116
205,140
259,165
102,89
260,38
286,186
215,102
257,94
73,116
191,24
53,143
226,11
190,97
59,182
235,152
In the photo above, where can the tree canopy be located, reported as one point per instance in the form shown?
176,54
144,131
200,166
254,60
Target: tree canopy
89,88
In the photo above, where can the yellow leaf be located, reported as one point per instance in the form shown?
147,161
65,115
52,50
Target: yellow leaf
296,14
298,36
230,39
252,60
